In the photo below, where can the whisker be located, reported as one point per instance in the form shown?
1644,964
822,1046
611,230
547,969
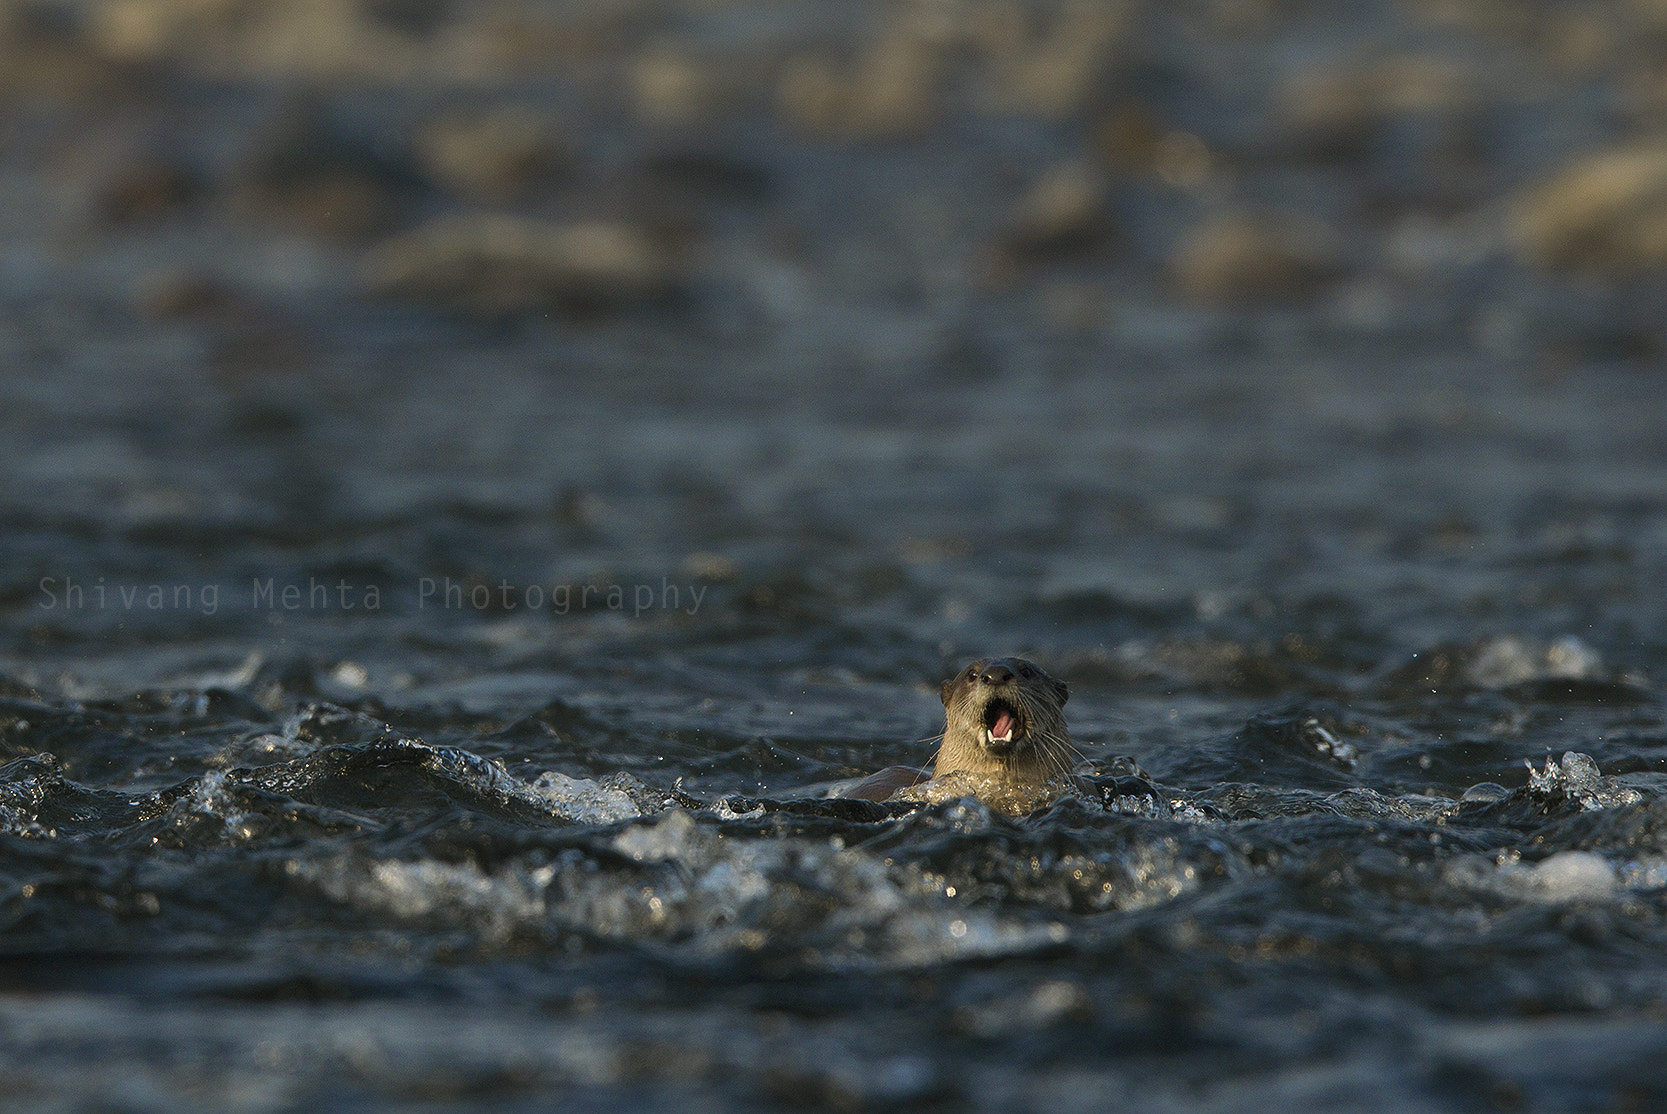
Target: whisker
932,761
1053,748
1067,753
1057,751
1061,751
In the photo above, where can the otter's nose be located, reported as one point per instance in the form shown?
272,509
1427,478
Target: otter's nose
996,674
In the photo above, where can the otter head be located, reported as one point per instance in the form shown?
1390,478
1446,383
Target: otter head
1009,707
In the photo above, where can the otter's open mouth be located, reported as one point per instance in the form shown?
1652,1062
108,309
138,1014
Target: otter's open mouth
1004,727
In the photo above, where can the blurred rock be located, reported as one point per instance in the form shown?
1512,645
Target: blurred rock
48,51
380,39
1062,213
1076,306
1240,256
496,266
1184,161
416,18
1127,135
890,92
176,292
1341,111
708,566
1584,43
673,85
146,186
1053,66
308,171
389,42
812,94
257,342
1130,137
494,154
1605,211
1064,208
245,337
490,42
674,193
708,173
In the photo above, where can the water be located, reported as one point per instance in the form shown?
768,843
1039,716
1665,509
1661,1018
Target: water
275,857
412,706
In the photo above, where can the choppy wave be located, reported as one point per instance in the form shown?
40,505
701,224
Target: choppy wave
1275,891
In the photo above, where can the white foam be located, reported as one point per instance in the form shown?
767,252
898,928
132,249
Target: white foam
1575,876
579,799
1563,877
418,890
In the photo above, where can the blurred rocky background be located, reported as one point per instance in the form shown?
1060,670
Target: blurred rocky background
427,287
233,171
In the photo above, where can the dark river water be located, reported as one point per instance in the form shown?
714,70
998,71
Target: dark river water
421,691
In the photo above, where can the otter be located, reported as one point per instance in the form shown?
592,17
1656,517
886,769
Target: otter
1004,742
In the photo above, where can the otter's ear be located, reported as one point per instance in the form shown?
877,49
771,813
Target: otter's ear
1062,689
945,689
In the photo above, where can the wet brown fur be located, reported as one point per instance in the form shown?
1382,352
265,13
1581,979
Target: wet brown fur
1036,765
1041,751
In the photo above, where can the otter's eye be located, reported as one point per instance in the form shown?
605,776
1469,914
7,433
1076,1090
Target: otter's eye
1027,672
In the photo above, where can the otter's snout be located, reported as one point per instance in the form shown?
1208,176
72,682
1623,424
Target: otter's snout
989,691
1005,728
996,673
